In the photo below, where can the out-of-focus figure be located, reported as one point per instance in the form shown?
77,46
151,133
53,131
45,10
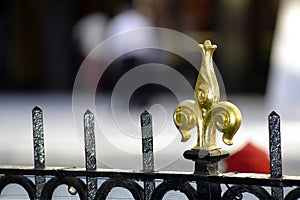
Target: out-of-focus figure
128,19
89,32
284,77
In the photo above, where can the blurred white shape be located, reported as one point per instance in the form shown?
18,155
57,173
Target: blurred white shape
126,21
89,31
284,79
129,20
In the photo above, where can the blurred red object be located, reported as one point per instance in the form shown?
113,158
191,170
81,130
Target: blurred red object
250,159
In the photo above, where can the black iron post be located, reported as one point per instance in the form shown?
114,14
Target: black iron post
206,163
38,147
275,153
90,153
148,160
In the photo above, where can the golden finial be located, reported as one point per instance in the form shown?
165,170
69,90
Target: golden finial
206,112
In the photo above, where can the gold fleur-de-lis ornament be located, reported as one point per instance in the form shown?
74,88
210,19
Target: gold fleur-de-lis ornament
206,112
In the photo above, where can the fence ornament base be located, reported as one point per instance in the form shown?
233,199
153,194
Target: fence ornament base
206,161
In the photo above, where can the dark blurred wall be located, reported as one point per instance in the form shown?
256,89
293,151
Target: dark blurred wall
59,17
21,45
37,51
243,31
36,44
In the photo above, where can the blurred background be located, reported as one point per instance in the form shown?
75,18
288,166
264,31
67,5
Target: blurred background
43,43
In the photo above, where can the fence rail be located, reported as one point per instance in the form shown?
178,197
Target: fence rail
208,180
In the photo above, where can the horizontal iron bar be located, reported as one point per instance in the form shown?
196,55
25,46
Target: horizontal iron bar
229,178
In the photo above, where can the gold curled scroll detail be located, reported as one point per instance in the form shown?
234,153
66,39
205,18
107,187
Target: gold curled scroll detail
206,113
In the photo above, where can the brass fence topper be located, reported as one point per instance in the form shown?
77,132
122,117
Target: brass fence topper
206,112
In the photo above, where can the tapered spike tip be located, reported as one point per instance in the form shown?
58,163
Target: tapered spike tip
146,113
274,113
38,108
87,112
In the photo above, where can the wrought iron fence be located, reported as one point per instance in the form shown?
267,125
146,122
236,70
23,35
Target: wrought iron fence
206,176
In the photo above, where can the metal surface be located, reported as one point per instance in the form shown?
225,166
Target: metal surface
206,161
234,192
54,182
23,181
275,152
208,183
135,189
242,183
38,147
147,148
206,113
90,152
169,185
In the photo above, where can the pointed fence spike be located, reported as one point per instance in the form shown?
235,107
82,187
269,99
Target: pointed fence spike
38,147
87,112
146,120
147,140
148,160
146,112
275,152
90,152
36,108
275,145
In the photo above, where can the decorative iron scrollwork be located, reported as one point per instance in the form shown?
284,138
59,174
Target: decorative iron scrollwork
54,182
20,180
293,195
169,185
258,191
135,189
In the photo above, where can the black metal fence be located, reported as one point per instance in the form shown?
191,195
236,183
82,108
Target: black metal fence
206,177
